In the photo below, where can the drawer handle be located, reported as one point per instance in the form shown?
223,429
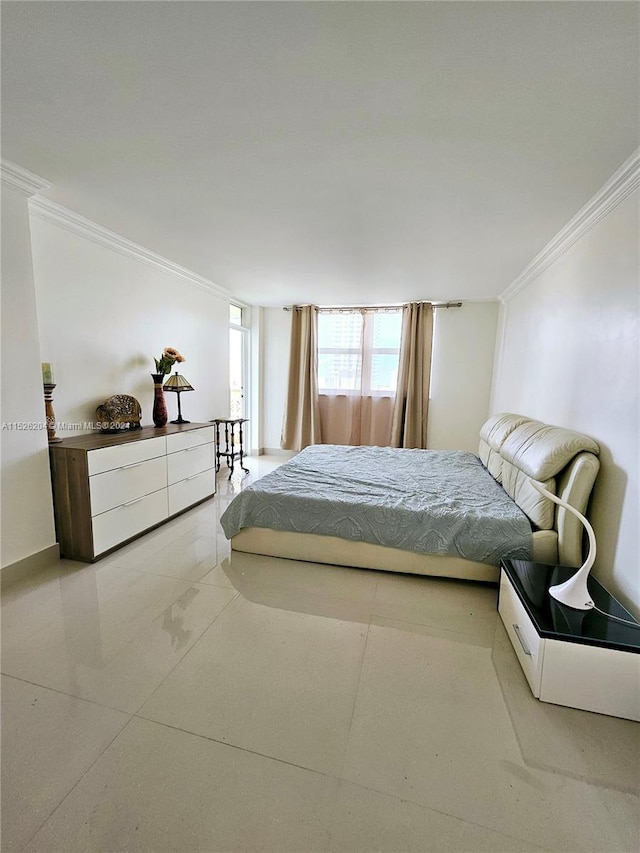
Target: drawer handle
133,465
189,449
130,503
525,648
192,477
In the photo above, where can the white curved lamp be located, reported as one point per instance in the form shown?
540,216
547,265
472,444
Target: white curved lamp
574,592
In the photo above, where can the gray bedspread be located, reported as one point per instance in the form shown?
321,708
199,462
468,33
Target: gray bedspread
429,501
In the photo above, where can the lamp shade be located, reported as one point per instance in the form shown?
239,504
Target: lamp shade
574,592
176,382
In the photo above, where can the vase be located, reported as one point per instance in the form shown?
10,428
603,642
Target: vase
160,416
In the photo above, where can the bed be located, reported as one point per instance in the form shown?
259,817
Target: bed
446,513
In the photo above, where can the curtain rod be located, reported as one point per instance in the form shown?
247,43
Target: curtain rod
372,307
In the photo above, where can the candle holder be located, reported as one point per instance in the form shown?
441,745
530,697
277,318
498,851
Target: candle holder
49,413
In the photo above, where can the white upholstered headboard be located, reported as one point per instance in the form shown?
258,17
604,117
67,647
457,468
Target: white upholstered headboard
515,450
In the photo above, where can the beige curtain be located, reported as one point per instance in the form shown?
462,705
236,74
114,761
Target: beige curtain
354,419
409,427
301,425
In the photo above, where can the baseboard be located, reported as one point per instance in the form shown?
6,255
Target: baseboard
29,565
276,451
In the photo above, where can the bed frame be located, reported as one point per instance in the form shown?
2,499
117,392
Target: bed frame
515,450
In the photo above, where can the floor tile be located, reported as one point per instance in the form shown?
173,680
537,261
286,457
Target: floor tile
258,467
217,576
30,603
273,681
399,698
594,748
623,810
157,789
104,633
482,635
189,557
132,554
430,726
365,821
251,574
451,605
416,591
49,740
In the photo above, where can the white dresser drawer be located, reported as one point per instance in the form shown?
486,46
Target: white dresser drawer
527,644
183,440
119,524
119,455
191,490
121,485
189,462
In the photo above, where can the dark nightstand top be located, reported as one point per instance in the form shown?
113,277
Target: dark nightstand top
555,621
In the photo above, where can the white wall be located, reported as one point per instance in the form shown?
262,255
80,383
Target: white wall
275,367
255,321
462,364
463,350
568,354
103,316
27,516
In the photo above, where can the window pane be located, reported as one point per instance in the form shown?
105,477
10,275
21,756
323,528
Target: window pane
236,365
339,371
339,330
384,371
235,315
386,330
359,352
339,356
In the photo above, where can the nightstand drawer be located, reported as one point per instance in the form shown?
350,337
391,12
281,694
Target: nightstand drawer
190,491
524,638
121,485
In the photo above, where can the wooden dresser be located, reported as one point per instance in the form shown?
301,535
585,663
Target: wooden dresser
109,489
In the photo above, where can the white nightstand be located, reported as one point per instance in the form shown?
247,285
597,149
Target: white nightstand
579,658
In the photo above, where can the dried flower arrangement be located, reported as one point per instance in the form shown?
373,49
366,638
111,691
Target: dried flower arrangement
166,361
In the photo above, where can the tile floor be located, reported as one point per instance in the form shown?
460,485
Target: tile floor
174,697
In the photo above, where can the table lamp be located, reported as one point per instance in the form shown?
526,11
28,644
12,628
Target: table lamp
574,592
178,384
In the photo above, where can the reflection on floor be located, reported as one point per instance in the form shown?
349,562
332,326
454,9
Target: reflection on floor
176,697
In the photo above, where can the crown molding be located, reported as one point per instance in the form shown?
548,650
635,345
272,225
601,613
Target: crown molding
76,224
22,180
618,187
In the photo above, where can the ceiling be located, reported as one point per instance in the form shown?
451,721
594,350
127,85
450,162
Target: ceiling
328,152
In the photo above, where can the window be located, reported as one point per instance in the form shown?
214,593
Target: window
237,361
358,351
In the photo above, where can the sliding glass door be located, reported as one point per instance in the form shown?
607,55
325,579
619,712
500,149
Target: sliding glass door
238,363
